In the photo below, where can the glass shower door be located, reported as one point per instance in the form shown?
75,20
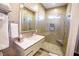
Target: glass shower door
56,26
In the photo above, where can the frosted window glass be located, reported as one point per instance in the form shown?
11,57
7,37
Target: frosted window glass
54,17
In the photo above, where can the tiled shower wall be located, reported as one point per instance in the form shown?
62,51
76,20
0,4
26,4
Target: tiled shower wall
58,33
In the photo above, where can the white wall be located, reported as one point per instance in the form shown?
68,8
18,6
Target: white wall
73,29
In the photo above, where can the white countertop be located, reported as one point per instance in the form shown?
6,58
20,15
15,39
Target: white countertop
27,42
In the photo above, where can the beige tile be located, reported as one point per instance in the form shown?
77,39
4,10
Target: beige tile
41,53
44,53
52,48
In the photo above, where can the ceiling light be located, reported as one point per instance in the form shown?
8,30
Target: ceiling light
35,7
56,10
54,3
54,17
21,5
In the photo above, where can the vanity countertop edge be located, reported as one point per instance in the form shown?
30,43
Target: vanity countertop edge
28,42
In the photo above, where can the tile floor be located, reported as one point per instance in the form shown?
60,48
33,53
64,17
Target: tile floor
52,48
42,52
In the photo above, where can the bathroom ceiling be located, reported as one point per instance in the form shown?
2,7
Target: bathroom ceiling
53,5
31,6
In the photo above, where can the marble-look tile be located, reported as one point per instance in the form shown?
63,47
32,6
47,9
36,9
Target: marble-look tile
42,52
52,48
